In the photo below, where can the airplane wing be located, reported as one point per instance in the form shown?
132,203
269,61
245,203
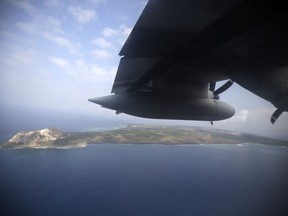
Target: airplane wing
178,50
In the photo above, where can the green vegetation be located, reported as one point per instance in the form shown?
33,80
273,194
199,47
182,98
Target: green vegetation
143,134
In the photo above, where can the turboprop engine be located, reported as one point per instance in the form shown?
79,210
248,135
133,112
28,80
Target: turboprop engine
148,105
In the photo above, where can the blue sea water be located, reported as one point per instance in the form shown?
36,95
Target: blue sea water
111,179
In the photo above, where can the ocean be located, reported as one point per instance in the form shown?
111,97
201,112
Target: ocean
116,179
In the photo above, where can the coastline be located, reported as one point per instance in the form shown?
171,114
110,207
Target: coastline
134,135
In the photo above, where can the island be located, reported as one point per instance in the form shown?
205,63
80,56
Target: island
132,134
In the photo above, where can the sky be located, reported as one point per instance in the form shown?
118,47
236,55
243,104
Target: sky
55,55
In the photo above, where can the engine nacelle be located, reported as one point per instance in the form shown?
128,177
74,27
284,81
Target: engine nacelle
147,105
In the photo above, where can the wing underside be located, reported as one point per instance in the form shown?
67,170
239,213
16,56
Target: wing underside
196,41
178,50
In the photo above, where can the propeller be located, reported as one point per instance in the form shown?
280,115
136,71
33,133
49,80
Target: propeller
276,115
221,89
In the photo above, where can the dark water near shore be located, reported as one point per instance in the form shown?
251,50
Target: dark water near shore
145,180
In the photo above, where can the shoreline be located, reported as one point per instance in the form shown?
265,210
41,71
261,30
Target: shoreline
52,138
135,144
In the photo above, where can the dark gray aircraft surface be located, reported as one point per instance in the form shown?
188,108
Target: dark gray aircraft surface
178,50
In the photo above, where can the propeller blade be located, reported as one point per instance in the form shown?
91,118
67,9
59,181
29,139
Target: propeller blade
276,115
212,86
224,87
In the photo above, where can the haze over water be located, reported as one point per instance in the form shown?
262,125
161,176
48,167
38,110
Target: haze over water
116,179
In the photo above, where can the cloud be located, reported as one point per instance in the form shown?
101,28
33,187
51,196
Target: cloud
40,22
62,63
121,33
109,32
84,71
102,42
94,72
49,21
124,33
242,115
92,69
101,53
257,121
82,15
14,55
62,41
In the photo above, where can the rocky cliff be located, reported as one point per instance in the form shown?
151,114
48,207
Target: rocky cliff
45,138
36,137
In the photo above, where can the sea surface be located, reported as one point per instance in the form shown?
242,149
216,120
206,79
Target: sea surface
111,179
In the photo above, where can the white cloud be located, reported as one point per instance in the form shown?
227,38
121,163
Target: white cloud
109,32
101,53
121,33
14,55
93,72
124,32
102,42
83,70
62,63
80,14
40,23
257,121
92,69
242,115
62,41
49,20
